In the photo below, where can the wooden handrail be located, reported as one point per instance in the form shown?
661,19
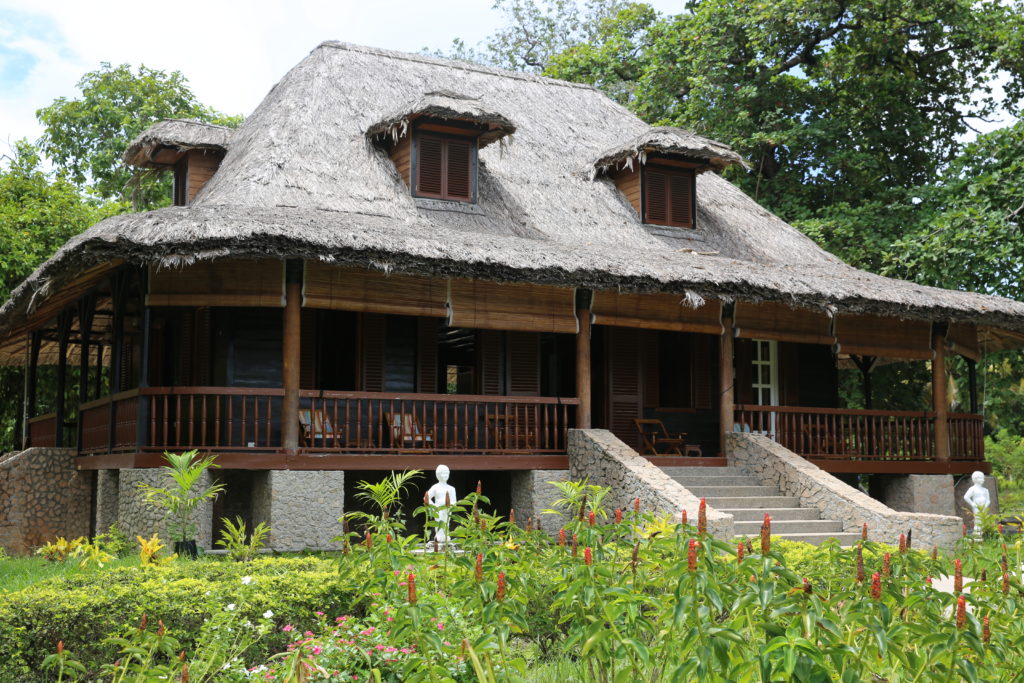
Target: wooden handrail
210,391
41,418
835,411
112,398
457,398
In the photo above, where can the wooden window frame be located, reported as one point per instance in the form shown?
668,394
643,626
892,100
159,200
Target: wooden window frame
679,170
447,132
179,193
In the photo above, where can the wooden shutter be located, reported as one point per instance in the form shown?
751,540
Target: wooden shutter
702,349
624,385
680,185
511,306
789,374
743,357
669,196
458,169
655,199
650,343
426,356
655,311
372,352
429,166
523,363
308,344
489,359
371,291
782,323
872,335
218,283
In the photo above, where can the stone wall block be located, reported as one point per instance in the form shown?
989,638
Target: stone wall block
302,508
137,518
533,492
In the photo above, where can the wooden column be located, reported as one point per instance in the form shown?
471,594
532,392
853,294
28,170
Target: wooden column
64,321
142,409
726,380
98,389
86,312
866,364
939,404
35,343
292,355
972,383
583,375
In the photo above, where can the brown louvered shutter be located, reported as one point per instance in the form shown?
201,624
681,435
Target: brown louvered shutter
681,199
624,395
307,343
789,374
372,369
655,210
458,166
489,359
649,358
523,363
426,356
702,348
743,350
429,166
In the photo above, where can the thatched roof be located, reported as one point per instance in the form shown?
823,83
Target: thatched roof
671,141
300,181
180,134
448,105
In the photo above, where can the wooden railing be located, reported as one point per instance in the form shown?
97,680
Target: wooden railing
42,431
833,433
231,419
110,423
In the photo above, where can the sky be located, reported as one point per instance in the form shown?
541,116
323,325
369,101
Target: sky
231,52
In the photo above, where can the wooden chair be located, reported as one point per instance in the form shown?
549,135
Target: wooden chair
407,432
658,441
317,426
513,430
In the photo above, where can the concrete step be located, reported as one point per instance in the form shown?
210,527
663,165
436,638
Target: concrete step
703,471
796,526
756,502
780,514
845,539
689,481
732,491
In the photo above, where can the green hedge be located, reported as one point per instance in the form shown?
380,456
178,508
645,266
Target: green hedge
85,609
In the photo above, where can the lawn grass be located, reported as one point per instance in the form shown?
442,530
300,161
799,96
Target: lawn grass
20,572
1011,498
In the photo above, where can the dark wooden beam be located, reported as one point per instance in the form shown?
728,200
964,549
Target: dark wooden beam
939,402
284,461
64,320
583,360
292,356
35,344
900,466
972,383
726,379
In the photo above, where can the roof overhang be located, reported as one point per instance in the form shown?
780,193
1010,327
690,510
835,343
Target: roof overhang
164,143
446,106
668,142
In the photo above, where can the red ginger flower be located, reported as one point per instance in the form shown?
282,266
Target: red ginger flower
903,543
964,527
618,515
575,545
636,505
691,556
928,581
886,569
561,537
1006,583
369,540
935,552
387,539
739,552
500,595
684,518
876,586
860,564
592,519
512,516
479,487
986,632
636,555
588,556
961,612
411,581
808,589
478,569
766,535
60,646
864,532
702,517
958,577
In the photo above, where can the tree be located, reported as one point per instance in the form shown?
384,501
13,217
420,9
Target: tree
86,136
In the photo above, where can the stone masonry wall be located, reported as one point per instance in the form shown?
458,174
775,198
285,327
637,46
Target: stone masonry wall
931,493
776,466
301,507
136,518
42,496
532,493
107,490
600,457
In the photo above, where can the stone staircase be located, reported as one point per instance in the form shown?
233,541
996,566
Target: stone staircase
731,490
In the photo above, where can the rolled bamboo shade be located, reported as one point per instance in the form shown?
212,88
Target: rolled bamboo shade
218,283
655,312
782,323
512,306
962,338
871,335
371,291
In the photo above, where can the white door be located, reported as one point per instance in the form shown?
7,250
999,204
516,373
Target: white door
765,378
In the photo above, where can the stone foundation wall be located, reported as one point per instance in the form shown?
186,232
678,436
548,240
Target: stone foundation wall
42,496
532,493
931,493
107,491
136,518
301,507
776,466
600,457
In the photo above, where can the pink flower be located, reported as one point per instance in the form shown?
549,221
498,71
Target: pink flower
308,634
319,614
287,628
440,626
317,650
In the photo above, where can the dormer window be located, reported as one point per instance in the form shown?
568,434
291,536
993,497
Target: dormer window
193,150
445,165
668,195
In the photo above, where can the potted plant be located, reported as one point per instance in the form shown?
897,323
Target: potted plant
181,500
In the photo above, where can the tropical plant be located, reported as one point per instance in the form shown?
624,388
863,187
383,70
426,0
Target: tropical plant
181,501
385,497
149,551
60,549
240,545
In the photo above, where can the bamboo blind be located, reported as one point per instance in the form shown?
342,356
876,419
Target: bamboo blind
218,283
870,335
371,291
782,323
962,338
512,306
656,312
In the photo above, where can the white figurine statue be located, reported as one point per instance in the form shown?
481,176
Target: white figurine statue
977,497
442,495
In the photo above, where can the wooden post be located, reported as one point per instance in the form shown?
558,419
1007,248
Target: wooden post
98,389
972,383
583,374
939,403
35,343
726,380
142,406
865,364
64,321
292,355
86,312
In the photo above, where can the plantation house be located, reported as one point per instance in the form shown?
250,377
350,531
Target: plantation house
399,261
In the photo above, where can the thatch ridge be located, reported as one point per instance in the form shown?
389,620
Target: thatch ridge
669,140
184,134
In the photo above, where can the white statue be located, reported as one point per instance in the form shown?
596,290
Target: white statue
442,495
977,497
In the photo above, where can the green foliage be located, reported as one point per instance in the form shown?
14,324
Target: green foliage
86,136
114,541
386,497
241,546
1006,453
180,502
